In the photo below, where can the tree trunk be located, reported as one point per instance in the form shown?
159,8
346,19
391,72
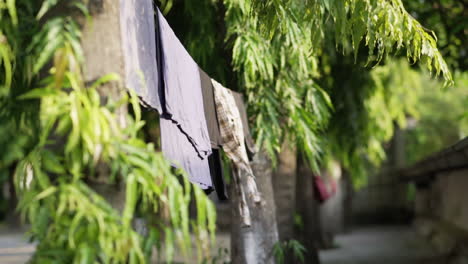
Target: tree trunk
284,186
307,208
254,244
102,47
12,218
347,201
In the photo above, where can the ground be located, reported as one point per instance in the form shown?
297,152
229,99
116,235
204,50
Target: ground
381,245
370,245
14,248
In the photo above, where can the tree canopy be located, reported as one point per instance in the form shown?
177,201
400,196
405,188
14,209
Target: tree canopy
287,55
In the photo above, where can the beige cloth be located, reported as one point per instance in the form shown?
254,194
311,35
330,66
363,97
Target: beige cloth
233,144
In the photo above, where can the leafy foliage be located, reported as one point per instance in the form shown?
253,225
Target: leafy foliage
369,106
364,105
282,54
285,66
449,18
442,119
388,96
289,36
384,25
295,247
77,139
436,129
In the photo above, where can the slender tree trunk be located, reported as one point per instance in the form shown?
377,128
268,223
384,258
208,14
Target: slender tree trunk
102,47
347,201
254,244
284,186
307,208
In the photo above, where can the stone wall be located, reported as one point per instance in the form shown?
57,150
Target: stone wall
441,208
446,199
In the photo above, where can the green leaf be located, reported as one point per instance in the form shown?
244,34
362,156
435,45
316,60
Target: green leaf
47,192
38,93
46,6
11,5
131,195
6,59
105,79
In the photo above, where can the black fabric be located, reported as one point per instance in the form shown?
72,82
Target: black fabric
214,160
159,61
208,191
216,171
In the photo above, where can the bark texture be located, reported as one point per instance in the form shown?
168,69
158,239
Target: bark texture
254,244
348,201
101,42
102,45
307,208
284,186
12,218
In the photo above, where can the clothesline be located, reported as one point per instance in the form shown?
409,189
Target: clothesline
197,114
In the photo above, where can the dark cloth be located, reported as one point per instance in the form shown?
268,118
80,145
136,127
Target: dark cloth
185,139
214,160
139,50
182,90
179,151
210,110
208,191
216,171
249,142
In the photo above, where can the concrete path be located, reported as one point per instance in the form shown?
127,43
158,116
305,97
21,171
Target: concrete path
14,247
380,245
371,245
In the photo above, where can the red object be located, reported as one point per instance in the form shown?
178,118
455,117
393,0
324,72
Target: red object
321,191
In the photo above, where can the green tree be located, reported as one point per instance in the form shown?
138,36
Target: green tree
448,19
436,129
282,54
276,50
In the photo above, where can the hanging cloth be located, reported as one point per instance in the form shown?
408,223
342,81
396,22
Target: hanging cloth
232,135
179,151
184,132
162,73
210,110
321,192
183,99
214,160
137,30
